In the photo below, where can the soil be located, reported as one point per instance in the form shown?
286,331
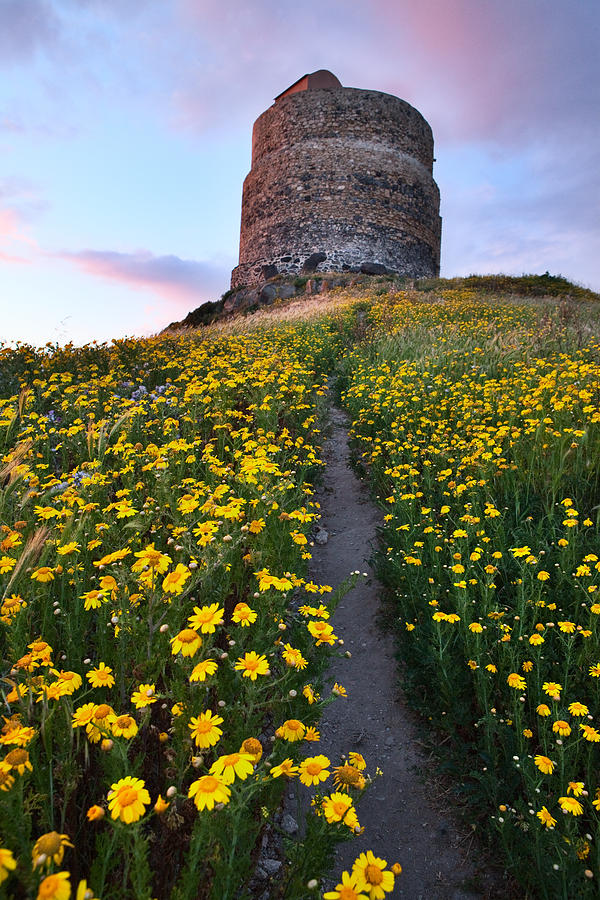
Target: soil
404,819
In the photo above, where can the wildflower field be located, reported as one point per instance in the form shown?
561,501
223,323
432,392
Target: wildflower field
164,654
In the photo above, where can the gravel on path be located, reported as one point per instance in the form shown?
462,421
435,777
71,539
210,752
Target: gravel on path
402,821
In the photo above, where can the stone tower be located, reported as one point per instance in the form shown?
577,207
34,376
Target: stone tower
340,180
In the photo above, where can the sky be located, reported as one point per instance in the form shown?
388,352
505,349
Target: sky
125,136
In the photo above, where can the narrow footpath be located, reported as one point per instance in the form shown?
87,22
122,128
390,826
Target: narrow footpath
402,822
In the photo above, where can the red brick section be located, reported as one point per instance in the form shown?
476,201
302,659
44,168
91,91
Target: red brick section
316,81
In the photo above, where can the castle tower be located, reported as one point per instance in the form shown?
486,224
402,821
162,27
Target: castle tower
340,180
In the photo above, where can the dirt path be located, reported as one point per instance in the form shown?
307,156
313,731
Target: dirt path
401,822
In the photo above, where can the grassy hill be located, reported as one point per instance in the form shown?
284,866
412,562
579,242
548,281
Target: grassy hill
163,650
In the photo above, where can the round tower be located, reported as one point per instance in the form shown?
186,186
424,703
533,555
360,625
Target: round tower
341,179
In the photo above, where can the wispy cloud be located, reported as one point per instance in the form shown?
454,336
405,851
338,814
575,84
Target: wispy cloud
184,283
14,237
26,28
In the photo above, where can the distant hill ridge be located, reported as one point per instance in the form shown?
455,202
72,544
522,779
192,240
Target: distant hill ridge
248,300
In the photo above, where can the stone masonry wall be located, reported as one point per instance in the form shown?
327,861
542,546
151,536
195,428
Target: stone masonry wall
340,179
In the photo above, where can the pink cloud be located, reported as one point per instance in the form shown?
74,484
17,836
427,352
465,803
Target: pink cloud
500,69
11,234
9,258
183,283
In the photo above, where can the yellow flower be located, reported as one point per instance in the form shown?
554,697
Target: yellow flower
475,627
516,681
252,665
15,733
144,696
6,564
11,606
204,729
561,727
152,559
308,692
322,631
124,726
83,892
6,779
252,748
314,769
337,806
68,682
202,669
66,549
206,618
83,715
576,788
286,768
94,599
267,581
102,718
7,863
208,790
543,709
545,765
546,818
101,676
18,759
40,650
50,848
243,615
518,552
174,582
232,765
161,805
578,709
95,813
43,574
379,880
552,689
187,641
351,887
348,776
357,760
590,734
294,658
55,887
127,799
108,583
570,805
291,730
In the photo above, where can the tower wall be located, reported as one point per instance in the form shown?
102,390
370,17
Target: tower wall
340,178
